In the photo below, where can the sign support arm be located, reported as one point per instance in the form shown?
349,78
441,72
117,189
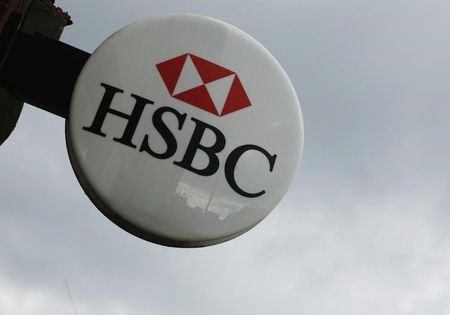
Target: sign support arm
42,71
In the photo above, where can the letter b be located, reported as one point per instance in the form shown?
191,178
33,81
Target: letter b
211,152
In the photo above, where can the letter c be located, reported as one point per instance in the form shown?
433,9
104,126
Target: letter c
230,166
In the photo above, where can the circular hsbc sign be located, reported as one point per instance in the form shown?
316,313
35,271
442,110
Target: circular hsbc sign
184,130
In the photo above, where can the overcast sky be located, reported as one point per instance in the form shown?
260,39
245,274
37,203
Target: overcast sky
363,230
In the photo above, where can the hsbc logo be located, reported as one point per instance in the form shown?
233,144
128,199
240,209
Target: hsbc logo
195,144
203,84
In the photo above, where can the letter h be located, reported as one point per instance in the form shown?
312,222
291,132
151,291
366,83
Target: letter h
105,108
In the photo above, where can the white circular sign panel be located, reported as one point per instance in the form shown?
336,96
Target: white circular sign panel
184,130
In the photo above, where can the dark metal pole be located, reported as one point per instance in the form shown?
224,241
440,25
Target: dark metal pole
45,78
30,17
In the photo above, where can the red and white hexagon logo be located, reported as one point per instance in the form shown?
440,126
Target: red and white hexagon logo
203,84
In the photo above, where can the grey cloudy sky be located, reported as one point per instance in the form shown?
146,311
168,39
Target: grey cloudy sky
363,230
